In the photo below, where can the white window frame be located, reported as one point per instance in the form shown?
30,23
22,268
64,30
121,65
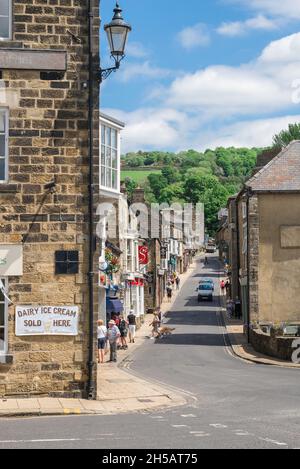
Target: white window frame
5,327
10,22
5,111
118,166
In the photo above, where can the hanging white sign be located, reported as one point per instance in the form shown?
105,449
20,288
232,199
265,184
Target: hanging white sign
46,320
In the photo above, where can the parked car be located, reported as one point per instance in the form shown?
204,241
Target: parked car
208,280
205,291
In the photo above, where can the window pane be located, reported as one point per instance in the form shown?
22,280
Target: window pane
108,178
108,136
114,159
73,268
2,121
2,310
103,134
103,155
114,138
2,145
61,256
73,256
2,169
4,7
114,179
2,335
102,175
108,157
4,27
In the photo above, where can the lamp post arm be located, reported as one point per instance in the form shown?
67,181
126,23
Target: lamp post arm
105,72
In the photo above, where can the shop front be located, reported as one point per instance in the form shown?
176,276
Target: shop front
134,298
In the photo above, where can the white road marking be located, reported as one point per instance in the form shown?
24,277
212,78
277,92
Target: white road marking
57,440
41,441
269,440
179,426
188,416
218,425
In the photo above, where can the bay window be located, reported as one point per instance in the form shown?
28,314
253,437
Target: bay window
5,19
109,178
3,144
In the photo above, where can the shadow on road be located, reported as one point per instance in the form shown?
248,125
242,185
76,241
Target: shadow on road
209,340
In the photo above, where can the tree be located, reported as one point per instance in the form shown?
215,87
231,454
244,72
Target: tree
157,184
130,185
171,174
285,137
172,193
208,190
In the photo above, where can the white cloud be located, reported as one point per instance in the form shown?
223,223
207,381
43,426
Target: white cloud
238,103
150,127
256,133
132,71
285,50
285,9
194,36
136,50
239,28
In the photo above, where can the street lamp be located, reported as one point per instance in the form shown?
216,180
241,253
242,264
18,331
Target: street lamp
117,33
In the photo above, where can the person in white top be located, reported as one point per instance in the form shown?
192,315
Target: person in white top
102,340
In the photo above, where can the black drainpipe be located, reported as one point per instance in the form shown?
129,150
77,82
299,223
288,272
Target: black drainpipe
90,384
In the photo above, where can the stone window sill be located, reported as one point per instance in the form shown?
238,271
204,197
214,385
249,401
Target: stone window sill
6,359
8,188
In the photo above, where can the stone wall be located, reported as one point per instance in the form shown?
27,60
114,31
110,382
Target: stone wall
48,140
278,347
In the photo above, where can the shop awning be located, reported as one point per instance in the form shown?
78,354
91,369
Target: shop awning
114,305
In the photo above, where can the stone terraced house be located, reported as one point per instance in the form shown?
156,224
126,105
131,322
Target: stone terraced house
44,167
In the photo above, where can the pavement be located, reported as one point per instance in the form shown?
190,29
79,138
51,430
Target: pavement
240,346
118,390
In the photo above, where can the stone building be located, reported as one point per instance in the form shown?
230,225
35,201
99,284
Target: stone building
44,166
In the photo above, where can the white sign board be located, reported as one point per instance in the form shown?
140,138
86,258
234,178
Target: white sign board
46,320
11,260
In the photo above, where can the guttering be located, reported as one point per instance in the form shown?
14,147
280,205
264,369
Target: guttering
91,364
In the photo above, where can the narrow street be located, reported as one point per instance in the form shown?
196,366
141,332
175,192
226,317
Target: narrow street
232,404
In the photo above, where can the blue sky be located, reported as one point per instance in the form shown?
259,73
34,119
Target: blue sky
206,73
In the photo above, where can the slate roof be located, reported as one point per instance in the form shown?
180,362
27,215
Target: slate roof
282,173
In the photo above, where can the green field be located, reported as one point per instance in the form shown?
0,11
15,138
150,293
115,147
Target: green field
138,176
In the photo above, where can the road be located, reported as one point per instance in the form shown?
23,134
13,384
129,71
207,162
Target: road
231,403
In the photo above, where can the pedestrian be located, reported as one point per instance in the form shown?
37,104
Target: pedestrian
155,325
230,309
131,318
159,314
206,260
222,285
113,335
177,283
123,331
169,291
238,308
102,340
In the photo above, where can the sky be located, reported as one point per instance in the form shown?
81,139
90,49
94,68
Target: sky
204,73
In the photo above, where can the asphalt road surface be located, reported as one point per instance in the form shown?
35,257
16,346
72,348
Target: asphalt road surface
231,403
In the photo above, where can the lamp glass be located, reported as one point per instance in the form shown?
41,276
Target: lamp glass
117,38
